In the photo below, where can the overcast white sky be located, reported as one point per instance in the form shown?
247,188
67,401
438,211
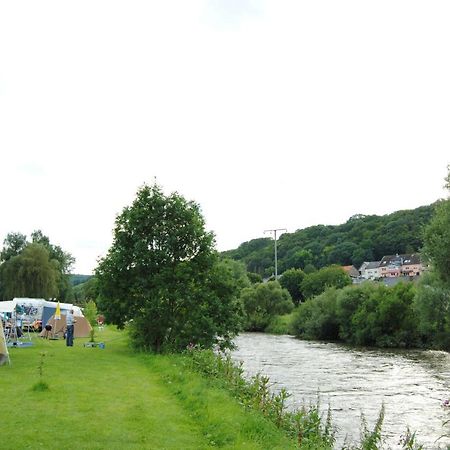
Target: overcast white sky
268,114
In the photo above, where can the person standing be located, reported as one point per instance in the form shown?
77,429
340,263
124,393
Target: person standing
70,323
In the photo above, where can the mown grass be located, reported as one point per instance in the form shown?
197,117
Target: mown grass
114,398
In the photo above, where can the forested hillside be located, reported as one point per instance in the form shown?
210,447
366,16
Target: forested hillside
361,238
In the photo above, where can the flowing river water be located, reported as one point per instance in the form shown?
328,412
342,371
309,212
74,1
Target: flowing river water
411,384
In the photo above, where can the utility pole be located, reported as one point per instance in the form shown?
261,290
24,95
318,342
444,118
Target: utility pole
274,231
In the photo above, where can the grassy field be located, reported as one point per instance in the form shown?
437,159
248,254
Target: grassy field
114,398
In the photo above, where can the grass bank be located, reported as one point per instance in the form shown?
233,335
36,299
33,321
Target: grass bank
114,398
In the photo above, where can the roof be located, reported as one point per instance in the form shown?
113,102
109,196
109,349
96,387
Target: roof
351,270
373,265
412,258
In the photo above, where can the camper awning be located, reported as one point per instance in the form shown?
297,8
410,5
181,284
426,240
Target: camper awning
7,306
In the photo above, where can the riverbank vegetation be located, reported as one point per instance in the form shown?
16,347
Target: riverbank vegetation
118,398
163,276
115,398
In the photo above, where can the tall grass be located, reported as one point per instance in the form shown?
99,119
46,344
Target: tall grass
307,426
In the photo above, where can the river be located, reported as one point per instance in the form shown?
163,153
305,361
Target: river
412,384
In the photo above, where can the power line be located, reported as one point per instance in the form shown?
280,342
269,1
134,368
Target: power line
274,231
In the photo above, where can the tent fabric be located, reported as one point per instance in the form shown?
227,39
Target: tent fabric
82,326
4,356
49,311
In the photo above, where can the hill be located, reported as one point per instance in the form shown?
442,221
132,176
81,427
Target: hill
361,238
76,279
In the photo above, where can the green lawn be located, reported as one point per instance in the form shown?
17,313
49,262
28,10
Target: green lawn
114,398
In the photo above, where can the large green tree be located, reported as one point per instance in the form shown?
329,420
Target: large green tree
163,276
317,282
262,302
433,294
32,273
15,245
437,238
292,280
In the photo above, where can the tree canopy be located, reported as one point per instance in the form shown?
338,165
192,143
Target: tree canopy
163,276
361,238
34,269
437,238
262,302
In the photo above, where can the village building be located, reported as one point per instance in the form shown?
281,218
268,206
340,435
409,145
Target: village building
401,265
370,270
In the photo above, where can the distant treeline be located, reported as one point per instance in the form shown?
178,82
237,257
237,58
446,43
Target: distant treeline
361,238
76,279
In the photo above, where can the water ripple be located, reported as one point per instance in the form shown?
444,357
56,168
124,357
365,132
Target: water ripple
411,384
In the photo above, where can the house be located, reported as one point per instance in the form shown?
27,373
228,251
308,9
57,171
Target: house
401,265
351,271
370,270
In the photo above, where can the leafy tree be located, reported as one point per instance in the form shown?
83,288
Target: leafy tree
13,245
292,280
90,312
262,302
309,268
30,274
86,291
65,262
368,314
432,304
16,243
317,318
254,277
162,273
437,239
237,271
361,238
317,282
348,302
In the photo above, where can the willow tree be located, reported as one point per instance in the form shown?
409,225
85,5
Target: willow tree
162,274
32,273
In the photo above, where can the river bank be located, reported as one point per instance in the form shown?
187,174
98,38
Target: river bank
113,398
412,384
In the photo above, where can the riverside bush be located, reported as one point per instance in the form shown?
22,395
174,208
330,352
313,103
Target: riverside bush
305,425
369,314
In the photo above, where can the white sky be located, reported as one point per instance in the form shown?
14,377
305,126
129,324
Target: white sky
268,114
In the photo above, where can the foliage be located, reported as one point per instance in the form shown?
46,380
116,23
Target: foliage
368,314
121,399
433,296
280,324
305,425
13,245
292,280
26,265
361,238
254,277
30,274
262,302
315,283
437,238
76,279
432,304
41,385
90,312
317,319
83,292
163,274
